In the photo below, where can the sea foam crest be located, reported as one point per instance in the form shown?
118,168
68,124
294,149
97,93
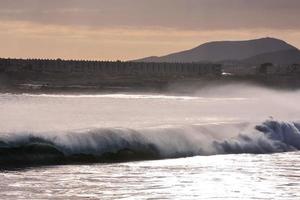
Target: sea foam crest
117,144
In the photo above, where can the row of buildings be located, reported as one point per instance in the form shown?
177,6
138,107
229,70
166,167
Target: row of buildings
69,73
108,69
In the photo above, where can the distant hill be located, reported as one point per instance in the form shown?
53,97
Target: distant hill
263,49
291,56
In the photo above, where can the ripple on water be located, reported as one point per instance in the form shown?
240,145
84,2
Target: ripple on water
272,176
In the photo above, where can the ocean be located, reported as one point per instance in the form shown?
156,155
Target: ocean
229,142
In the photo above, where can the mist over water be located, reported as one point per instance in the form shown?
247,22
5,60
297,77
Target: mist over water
231,141
219,120
239,103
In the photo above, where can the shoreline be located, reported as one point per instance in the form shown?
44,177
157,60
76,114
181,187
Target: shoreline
180,86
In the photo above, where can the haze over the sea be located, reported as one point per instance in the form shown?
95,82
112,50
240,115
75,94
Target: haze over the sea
130,29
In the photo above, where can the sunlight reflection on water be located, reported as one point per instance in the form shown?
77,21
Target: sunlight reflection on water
274,176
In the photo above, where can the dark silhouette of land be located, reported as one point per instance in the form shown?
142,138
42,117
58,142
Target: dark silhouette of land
266,61
266,49
41,74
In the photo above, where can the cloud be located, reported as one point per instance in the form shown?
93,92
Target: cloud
128,29
181,14
28,40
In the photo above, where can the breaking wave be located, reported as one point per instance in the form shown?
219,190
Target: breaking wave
118,145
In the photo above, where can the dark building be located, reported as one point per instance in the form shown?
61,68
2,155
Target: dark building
81,72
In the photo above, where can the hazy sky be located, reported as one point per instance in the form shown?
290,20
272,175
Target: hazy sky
127,29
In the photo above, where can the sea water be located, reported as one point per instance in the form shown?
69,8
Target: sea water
231,142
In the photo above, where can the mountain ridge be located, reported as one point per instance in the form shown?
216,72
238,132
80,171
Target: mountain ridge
284,57
218,51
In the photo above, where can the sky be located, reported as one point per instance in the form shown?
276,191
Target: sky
130,29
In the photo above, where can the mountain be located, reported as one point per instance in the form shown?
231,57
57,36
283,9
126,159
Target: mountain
226,50
284,57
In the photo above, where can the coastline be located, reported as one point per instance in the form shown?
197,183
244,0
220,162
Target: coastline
185,85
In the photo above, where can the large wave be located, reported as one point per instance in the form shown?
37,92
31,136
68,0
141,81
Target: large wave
118,144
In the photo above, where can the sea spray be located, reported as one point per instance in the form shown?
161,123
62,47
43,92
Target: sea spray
117,144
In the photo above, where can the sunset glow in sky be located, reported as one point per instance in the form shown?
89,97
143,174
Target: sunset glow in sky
129,29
